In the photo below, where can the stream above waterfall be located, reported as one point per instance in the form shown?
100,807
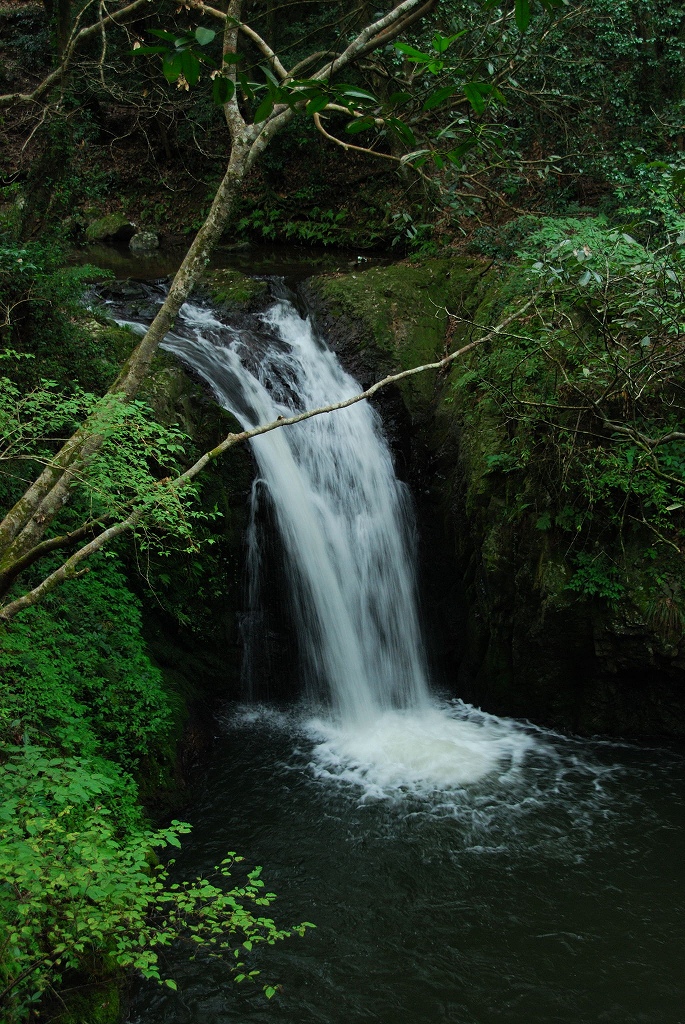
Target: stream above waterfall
458,867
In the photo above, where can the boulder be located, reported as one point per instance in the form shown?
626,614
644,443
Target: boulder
115,227
144,243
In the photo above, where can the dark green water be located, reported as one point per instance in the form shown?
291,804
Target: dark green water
549,893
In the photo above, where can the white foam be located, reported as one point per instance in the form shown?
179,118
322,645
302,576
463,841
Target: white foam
419,751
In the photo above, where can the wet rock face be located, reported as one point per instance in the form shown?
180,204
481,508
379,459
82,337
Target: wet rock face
504,630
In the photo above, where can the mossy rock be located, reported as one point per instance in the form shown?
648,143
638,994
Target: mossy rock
232,290
401,313
113,227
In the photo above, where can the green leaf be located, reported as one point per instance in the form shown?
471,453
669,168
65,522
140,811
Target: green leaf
245,85
442,43
270,77
204,35
418,157
473,94
522,14
316,104
170,983
360,124
264,109
413,54
439,96
222,90
355,93
403,130
191,67
231,58
172,66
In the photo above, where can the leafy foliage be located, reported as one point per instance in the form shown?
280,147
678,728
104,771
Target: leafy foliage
40,310
75,673
76,886
590,395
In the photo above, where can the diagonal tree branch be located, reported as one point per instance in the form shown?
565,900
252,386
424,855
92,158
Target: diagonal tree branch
70,569
27,521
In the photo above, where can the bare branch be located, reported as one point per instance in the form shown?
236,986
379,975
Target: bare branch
81,37
69,569
348,145
265,49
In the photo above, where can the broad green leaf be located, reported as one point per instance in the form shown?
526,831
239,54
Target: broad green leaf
316,104
418,157
355,93
442,43
231,58
439,96
413,54
360,124
172,66
522,14
245,85
204,35
270,76
457,154
264,109
474,95
222,90
402,129
191,67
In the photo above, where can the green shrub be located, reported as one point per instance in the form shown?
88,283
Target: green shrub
75,672
78,889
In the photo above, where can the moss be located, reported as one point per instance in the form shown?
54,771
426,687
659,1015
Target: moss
114,225
402,311
233,290
99,1005
113,344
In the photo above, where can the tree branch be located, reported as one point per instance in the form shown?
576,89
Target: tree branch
69,569
56,76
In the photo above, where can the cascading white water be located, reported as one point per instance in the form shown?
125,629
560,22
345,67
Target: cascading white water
347,531
344,519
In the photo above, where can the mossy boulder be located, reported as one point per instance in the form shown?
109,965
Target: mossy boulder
396,317
229,289
115,227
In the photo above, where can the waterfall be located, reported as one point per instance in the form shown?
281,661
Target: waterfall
348,537
344,519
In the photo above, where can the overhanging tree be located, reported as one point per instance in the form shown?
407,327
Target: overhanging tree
24,527
282,94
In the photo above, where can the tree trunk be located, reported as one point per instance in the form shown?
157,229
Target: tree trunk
25,524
